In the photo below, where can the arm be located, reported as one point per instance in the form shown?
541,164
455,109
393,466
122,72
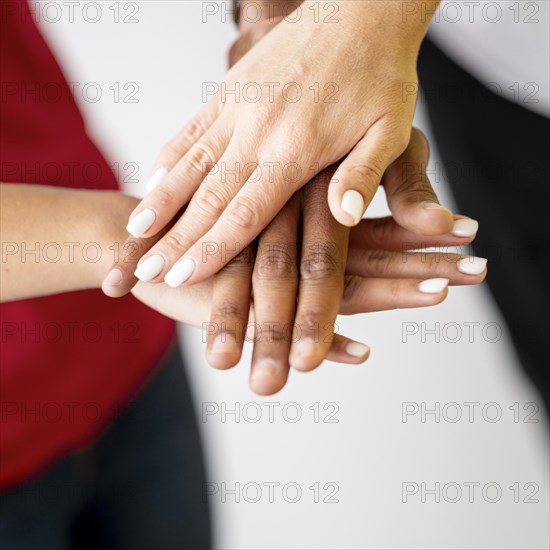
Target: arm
60,240
56,239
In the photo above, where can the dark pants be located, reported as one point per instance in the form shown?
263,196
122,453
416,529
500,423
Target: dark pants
139,487
495,153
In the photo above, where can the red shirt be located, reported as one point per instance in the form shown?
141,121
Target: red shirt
68,362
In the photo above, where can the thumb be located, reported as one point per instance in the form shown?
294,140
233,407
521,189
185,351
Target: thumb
410,194
358,177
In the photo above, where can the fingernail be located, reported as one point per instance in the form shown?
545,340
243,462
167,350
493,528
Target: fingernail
433,286
465,227
180,273
356,349
301,351
352,204
265,368
141,222
224,343
149,268
114,277
264,379
156,178
472,265
430,205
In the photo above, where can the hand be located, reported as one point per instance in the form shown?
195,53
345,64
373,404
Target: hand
238,162
299,285
380,273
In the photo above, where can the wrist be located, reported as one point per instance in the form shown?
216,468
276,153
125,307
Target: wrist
112,210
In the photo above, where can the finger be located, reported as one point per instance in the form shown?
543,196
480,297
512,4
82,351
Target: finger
230,309
368,295
357,179
386,234
346,350
457,268
275,286
178,146
322,266
177,188
128,266
410,195
342,350
206,206
250,211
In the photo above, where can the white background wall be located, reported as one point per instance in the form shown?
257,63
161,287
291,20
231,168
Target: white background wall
369,451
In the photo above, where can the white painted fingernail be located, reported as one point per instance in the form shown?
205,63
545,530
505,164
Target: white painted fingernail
433,286
472,265
156,178
149,268
352,204
465,227
180,273
141,222
356,349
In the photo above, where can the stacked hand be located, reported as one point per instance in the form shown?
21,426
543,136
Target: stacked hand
286,288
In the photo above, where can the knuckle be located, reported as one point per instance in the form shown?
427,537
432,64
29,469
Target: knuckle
242,213
226,309
201,158
319,262
175,241
240,265
210,202
350,293
277,333
308,322
192,131
276,261
382,232
416,185
379,262
367,174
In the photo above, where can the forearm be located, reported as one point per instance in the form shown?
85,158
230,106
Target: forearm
58,240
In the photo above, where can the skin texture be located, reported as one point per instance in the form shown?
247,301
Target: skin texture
296,299
220,162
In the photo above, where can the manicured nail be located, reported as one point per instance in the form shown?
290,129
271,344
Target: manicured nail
156,178
141,222
352,204
356,349
472,265
180,273
433,286
149,268
114,277
465,227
